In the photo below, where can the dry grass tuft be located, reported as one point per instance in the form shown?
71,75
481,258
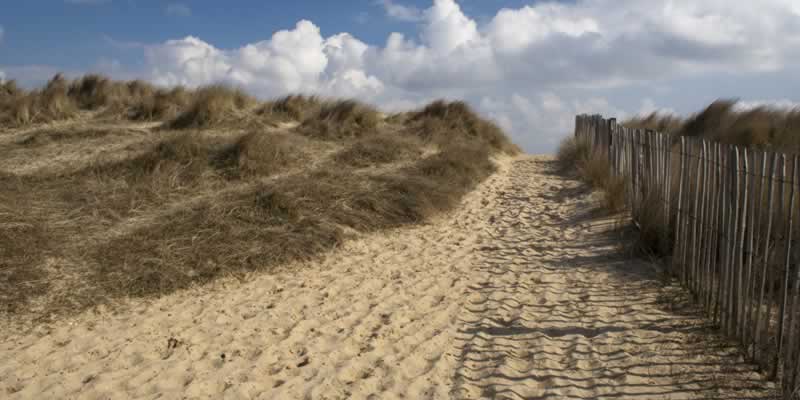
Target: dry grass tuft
9,89
94,91
593,168
261,153
162,105
571,154
290,108
378,150
445,123
213,106
765,127
666,123
342,119
653,235
23,245
44,105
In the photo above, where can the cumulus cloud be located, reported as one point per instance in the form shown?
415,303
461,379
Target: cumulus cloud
178,10
2,76
530,68
401,12
297,60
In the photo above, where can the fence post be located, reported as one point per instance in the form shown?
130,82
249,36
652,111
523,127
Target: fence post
761,334
788,245
740,240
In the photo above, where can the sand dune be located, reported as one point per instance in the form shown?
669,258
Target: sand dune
514,295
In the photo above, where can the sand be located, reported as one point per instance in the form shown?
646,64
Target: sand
519,293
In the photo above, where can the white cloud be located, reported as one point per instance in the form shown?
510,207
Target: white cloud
524,67
2,76
178,10
530,68
401,12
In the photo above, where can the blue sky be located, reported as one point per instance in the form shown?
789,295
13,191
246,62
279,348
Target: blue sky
528,65
75,34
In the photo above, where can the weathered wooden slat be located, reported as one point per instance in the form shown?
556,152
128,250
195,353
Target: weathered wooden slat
713,230
687,215
719,254
740,241
678,242
732,281
725,226
722,299
765,298
785,264
701,220
749,256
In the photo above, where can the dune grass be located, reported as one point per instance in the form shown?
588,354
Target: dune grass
192,201
379,149
575,156
344,119
212,106
764,127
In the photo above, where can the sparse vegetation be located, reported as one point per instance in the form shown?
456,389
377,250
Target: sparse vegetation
575,156
446,123
343,119
213,106
764,127
191,201
379,149
291,108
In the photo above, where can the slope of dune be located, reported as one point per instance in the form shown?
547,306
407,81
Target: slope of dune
100,204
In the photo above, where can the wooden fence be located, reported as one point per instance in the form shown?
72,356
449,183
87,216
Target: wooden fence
728,215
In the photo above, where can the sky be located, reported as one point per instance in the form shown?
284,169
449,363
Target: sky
531,66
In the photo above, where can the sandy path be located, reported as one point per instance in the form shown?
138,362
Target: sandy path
558,312
508,297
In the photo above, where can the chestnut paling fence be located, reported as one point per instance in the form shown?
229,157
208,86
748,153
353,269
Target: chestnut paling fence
729,216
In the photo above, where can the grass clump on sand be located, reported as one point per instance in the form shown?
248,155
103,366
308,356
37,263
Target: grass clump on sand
18,107
342,119
447,123
260,153
164,104
290,108
379,149
593,168
213,106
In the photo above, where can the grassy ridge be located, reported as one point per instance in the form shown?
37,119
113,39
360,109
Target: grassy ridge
226,185
765,127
